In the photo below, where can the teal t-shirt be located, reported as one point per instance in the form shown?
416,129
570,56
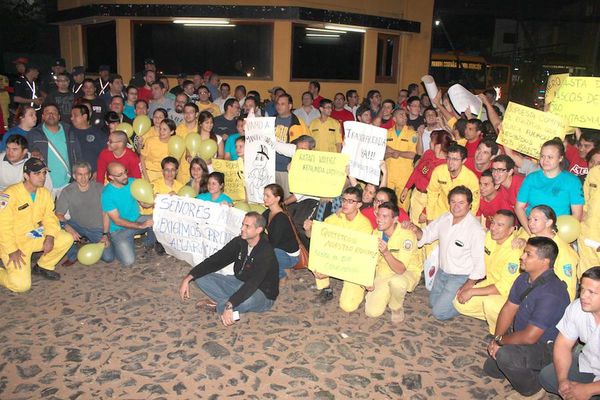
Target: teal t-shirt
58,172
120,199
230,146
559,192
208,197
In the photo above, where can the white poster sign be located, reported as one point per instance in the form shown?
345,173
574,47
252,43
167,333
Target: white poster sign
365,146
259,156
192,230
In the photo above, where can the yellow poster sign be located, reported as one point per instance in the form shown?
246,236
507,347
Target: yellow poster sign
347,255
234,178
554,82
578,101
525,129
318,173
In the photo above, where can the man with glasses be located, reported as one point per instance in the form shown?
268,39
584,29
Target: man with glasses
503,172
176,114
350,218
124,218
352,101
204,103
62,96
325,130
117,151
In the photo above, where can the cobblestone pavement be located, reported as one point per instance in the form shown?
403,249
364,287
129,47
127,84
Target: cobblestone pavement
106,332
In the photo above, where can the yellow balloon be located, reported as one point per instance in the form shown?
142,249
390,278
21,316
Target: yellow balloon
568,228
207,149
141,190
187,191
176,147
141,124
259,208
192,143
90,253
242,205
125,127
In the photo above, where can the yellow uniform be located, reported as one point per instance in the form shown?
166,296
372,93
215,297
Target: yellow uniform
399,169
502,268
183,175
159,186
590,225
441,184
390,287
24,225
4,99
212,108
352,294
153,153
327,134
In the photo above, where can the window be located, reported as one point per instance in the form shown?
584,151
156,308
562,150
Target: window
322,55
101,46
244,50
387,58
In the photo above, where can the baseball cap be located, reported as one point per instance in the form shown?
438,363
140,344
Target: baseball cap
149,61
104,67
33,165
207,74
80,69
21,60
59,62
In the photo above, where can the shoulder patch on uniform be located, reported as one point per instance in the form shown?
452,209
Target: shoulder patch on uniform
414,139
568,270
513,268
408,244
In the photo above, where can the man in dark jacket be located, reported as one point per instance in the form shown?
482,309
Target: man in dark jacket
255,285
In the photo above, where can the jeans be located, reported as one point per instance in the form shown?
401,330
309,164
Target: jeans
443,292
521,365
285,261
221,287
94,236
122,241
549,381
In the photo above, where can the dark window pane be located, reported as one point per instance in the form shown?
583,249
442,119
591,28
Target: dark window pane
471,76
380,55
101,46
331,57
389,59
243,50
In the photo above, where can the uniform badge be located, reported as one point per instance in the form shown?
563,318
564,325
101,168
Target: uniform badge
414,139
513,268
568,270
408,244
425,170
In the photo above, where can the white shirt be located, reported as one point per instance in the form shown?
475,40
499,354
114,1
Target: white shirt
461,245
307,118
578,324
221,103
13,173
351,109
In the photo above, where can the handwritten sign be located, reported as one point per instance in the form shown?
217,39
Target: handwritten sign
318,173
365,146
234,178
192,230
343,254
554,82
259,156
525,129
578,101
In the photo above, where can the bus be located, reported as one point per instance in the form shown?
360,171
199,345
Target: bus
475,73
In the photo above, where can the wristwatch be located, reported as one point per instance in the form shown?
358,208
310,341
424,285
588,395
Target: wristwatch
498,339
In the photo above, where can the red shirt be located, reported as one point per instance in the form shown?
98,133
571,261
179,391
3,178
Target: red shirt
422,172
470,163
145,94
316,101
489,208
470,146
387,124
129,159
369,212
510,194
577,165
342,116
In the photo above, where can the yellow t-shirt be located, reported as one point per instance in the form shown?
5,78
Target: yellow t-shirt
403,246
159,186
502,264
360,223
327,134
153,153
214,109
182,131
441,184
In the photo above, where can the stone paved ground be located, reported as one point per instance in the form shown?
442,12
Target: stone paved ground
104,332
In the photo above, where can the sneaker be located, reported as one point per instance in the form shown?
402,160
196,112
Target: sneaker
159,249
324,296
45,273
398,315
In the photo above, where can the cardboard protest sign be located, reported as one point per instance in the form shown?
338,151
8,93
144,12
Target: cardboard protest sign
192,230
554,82
259,156
234,178
525,129
347,255
578,100
318,173
365,146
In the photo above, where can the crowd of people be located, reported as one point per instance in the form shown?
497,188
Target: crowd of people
449,196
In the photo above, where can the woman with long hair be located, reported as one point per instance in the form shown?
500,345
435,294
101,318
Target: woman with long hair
155,149
198,175
206,124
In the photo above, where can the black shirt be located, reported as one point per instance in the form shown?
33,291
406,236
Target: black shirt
64,101
91,141
415,123
280,232
223,126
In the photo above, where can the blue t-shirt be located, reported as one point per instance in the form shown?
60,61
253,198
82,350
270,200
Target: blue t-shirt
559,192
129,111
543,307
208,197
12,131
59,173
230,146
120,199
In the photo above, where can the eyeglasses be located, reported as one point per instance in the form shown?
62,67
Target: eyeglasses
453,159
379,201
499,169
349,201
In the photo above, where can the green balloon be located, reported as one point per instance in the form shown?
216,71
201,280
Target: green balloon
187,191
192,143
242,205
90,253
125,127
141,190
141,124
259,208
207,149
176,147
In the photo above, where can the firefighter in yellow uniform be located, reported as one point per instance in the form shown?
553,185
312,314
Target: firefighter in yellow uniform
400,152
485,300
27,225
351,219
399,265
446,177
326,131
589,256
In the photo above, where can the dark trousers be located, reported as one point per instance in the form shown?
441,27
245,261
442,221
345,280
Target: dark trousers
549,381
521,365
